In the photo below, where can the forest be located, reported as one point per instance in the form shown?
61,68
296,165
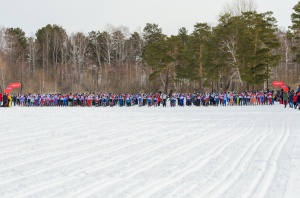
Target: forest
245,50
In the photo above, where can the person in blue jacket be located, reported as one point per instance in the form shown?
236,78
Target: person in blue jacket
298,89
149,101
181,100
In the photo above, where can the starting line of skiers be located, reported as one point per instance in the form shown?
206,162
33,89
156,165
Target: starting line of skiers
157,99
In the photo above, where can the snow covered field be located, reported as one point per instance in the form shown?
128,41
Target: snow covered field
150,152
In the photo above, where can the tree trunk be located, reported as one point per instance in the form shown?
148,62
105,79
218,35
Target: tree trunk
167,82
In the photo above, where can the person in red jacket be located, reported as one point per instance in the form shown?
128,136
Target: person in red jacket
295,97
298,99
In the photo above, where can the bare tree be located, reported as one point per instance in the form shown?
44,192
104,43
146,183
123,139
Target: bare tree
288,70
236,7
229,46
32,54
2,75
79,44
2,46
2,38
58,39
108,43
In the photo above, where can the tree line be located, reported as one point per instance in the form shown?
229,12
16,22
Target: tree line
244,51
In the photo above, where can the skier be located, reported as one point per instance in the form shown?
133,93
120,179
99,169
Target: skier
111,100
9,100
149,101
172,101
128,101
4,101
206,99
188,100
224,99
298,99
290,98
165,100
285,98
198,100
216,100
231,99
270,96
155,101
104,101
295,101
181,100
140,100
159,99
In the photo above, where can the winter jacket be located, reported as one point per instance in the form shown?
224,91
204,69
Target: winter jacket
4,99
9,100
285,96
295,98
291,95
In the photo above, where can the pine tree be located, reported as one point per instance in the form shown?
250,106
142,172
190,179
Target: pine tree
155,53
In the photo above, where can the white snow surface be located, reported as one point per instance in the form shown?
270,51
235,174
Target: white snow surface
251,151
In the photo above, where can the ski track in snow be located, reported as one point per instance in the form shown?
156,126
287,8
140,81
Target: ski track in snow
149,152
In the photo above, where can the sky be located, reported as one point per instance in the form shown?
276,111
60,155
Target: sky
88,15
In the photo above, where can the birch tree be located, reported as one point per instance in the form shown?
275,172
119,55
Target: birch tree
95,40
79,46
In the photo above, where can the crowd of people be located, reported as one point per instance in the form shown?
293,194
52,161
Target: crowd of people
291,98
